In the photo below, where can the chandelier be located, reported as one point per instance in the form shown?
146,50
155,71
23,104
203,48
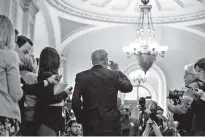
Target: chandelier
145,47
138,76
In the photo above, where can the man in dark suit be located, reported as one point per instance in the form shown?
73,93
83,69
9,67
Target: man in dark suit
98,88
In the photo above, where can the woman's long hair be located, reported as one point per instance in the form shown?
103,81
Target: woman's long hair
49,61
7,33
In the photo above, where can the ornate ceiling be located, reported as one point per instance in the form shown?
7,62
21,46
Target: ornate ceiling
127,11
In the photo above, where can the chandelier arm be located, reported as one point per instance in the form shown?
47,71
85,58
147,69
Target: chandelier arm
139,23
148,19
142,26
150,14
143,14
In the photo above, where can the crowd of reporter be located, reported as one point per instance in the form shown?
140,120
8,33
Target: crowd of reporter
29,105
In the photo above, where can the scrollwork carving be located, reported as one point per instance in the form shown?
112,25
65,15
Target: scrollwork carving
66,8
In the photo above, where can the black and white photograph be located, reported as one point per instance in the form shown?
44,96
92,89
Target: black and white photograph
102,68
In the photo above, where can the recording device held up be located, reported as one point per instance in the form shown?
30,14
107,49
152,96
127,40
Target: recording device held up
175,96
148,113
142,103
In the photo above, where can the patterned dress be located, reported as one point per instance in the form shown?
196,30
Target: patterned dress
9,127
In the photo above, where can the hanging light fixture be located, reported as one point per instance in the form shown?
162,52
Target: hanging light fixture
138,76
145,47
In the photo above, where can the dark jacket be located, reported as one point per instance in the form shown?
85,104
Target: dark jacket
199,113
50,116
185,120
99,87
198,108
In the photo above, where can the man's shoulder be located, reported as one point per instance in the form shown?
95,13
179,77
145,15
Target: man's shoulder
83,73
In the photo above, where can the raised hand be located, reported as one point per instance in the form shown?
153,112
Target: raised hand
69,90
54,79
156,129
113,65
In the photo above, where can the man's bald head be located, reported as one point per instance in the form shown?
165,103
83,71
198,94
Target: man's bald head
99,57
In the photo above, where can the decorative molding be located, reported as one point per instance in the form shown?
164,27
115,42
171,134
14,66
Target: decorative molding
14,8
30,9
66,8
24,4
31,5
198,28
34,8
180,3
21,5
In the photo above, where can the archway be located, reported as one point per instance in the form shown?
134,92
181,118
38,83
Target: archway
155,84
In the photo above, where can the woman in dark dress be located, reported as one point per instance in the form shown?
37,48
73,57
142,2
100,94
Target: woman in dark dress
49,115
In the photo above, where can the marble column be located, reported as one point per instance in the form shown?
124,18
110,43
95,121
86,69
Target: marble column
62,69
30,9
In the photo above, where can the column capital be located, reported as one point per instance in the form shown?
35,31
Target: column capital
30,5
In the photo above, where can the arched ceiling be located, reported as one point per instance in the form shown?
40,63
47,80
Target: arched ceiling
127,11
68,20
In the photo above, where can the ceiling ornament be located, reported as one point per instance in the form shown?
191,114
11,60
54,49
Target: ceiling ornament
64,6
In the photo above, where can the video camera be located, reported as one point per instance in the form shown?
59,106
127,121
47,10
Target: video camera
145,115
175,95
142,103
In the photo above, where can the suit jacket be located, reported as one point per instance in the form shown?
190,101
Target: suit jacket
198,122
98,88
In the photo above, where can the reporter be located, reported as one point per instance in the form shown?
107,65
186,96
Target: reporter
152,128
10,91
49,106
198,101
181,108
